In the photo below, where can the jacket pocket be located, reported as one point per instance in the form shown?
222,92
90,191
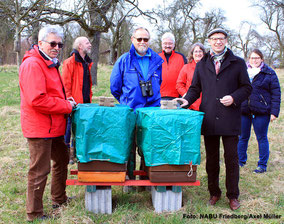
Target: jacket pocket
263,100
258,104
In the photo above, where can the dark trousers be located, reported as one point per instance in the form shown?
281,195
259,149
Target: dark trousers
41,152
131,164
67,137
212,147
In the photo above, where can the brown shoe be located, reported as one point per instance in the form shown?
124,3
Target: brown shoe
234,204
214,199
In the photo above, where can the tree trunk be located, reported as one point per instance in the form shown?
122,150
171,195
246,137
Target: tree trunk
17,47
111,55
95,55
36,28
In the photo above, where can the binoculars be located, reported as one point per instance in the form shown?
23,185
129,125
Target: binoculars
146,88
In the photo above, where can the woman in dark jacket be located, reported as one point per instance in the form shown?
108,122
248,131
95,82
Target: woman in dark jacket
262,106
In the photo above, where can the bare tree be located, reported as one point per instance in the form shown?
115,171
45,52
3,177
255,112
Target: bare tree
270,48
6,39
19,13
246,37
175,17
273,17
183,19
120,30
212,19
94,16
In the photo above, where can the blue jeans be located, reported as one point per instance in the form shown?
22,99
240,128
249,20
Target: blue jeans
260,125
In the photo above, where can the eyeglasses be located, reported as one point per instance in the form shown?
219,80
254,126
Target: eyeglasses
254,58
54,44
140,39
167,44
197,52
215,39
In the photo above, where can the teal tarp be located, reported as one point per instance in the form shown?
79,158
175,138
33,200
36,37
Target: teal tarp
103,133
169,136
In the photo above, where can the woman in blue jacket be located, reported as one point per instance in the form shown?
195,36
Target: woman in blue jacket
262,106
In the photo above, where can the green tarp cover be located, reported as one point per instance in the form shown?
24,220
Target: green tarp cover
103,133
169,136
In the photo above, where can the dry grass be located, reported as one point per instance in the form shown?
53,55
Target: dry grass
260,194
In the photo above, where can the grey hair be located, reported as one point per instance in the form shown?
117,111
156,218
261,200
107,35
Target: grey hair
45,31
168,35
190,53
140,28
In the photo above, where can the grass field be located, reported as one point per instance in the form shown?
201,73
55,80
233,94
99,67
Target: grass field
259,193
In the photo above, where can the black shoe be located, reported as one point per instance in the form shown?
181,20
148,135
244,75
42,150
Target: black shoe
58,205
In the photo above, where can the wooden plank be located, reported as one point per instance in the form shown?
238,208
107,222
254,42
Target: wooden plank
101,176
135,172
131,183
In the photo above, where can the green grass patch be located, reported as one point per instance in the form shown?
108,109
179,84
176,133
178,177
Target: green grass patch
259,193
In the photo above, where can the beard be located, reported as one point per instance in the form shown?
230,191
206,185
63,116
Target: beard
142,49
87,51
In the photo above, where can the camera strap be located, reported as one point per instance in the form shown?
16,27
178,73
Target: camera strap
138,76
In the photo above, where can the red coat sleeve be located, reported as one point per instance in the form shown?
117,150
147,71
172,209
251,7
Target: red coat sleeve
181,81
67,77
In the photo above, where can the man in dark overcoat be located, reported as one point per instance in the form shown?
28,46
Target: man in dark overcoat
223,80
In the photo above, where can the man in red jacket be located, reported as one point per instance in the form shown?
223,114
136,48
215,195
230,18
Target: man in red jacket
76,75
173,63
44,109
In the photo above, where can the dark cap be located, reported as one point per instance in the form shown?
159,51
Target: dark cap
217,30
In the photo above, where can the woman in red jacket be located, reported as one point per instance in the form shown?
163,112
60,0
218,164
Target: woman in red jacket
184,80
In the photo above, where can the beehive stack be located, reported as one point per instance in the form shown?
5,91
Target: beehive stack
101,171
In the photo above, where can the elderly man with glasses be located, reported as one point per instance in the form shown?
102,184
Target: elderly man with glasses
136,78
173,63
223,80
44,109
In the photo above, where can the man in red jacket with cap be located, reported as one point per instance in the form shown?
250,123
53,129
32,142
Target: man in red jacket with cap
44,109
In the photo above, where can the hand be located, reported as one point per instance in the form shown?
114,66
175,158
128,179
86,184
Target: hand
72,102
181,100
227,100
272,117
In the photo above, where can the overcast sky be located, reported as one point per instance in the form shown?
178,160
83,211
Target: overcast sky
235,11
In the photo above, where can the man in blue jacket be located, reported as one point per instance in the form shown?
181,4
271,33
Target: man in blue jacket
136,78
137,75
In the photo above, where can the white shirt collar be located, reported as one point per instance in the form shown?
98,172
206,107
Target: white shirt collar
54,60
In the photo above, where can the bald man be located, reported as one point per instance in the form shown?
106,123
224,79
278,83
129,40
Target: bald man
76,75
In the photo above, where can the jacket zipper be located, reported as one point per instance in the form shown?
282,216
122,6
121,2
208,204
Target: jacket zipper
263,99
